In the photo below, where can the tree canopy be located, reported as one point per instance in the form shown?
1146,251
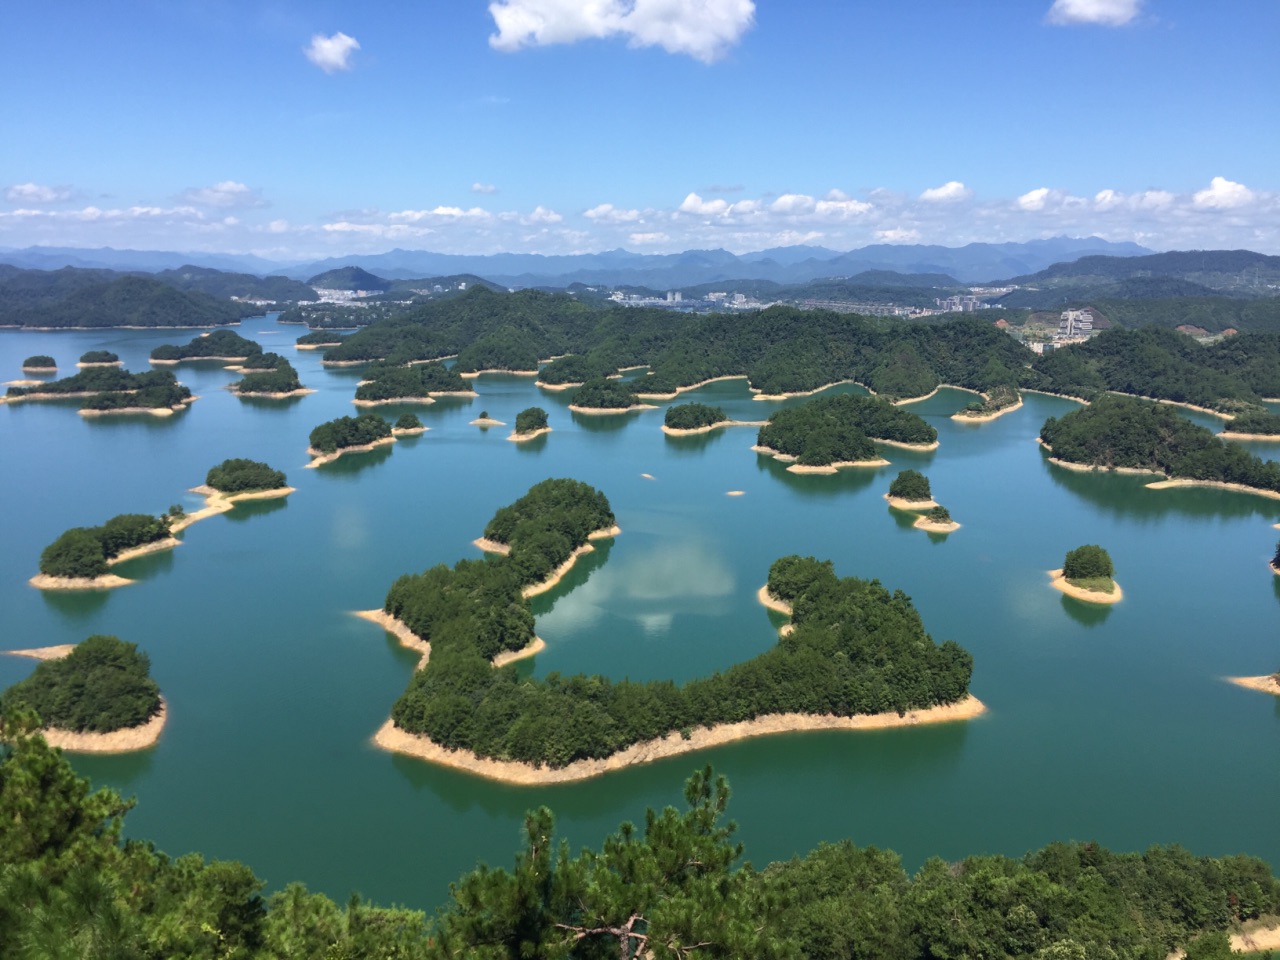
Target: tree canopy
237,475
334,435
530,419
910,485
840,428
691,416
1088,562
85,551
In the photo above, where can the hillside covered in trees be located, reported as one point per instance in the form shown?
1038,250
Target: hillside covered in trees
840,429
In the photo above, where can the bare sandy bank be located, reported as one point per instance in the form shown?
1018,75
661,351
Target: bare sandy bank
39,369
922,447
605,411
389,737
557,387
809,393
117,741
78,395
532,649
767,599
277,395
1060,396
216,502
1260,437
827,469
316,346
172,363
23,383
561,571
679,390
323,458
108,581
934,526
1176,403
962,417
693,431
423,399
491,546
522,437
411,641
932,393
56,652
735,493
103,363
1059,582
514,373
1255,937
487,422
1238,487
346,363
910,506
408,431
1267,684
133,411
1094,468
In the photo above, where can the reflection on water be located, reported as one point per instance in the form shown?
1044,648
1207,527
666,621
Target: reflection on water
820,485
349,464
1086,614
248,509
76,604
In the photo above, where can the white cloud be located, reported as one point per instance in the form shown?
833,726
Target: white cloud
1108,13
278,226
1033,199
703,29
1223,194
439,213
608,213
479,187
226,194
542,214
1147,200
331,53
36,193
840,208
898,235
950,192
641,239
703,208
791,204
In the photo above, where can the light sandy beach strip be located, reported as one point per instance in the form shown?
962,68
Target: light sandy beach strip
691,431
934,526
767,599
107,581
408,431
1255,938
962,417
679,390
808,393
735,493
39,369
56,652
216,502
171,363
557,387
514,373
522,437
492,546
923,447
117,741
133,411
1238,487
1059,582
827,469
910,506
277,395
23,383
605,411
1259,437
424,400
104,363
323,458
561,571
1267,684
488,422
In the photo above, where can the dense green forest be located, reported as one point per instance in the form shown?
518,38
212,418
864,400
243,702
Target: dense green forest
104,684
85,551
280,377
676,885
343,432
71,297
386,382
243,286
99,356
157,390
107,380
577,368
238,475
691,416
840,429
220,343
408,421
856,648
602,394
1258,422
1118,431
996,399
529,420
910,485
316,338
41,361
1089,566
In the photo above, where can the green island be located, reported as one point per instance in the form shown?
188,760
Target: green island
342,435
573,370
39,363
384,383
937,519
96,357
316,339
1123,433
996,402
832,668
81,557
827,432
268,375
675,885
408,425
910,490
110,389
530,422
219,345
603,395
1088,574
102,687
682,419
1253,425
239,475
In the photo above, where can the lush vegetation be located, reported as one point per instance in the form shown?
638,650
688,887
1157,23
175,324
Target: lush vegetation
998,398
577,368
99,356
602,394
104,684
421,380
71,297
673,886
238,475
220,343
856,648
839,429
268,373
1259,422
1089,562
86,551
1123,432
910,485
344,432
112,380
241,286
408,421
41,361
156,390
528,420
938,514
317,338
692,416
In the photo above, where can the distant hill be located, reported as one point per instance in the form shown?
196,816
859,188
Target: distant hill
349,278
245,286
1231,272
148,261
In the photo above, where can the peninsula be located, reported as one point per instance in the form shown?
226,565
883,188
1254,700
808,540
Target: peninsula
332,439
830,432
690,419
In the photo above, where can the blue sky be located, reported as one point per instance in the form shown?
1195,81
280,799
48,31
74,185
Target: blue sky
297,129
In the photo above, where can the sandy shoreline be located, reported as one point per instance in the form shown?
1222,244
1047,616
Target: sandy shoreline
692,431
514,373
1095,468
423,399
910,506
39,369
922,447
1256,938
56,652
153,411
680,390
557,387
828,469
389,737
1059,582
933,526
1267,684
216,502
411,641
117,741
491,546
961,417
809,393
522,437
322,458
767,599
488,422
561,571
103,363
279,395
171,363
24,383
1218,484
408,431
108,581
316,346
1260,437
605,411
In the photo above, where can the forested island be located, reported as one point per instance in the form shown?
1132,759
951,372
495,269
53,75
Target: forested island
333,438
996,402
219,345
316,339
40,363
829,432
99,358
81,557
407,425
1088,574
1117,432
384,383
99,697
681,872
239,475
470,712
109,389
910,490
603,395
1253,425
269,375
530,422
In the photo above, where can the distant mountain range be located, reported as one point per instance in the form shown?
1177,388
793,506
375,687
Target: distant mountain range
972,263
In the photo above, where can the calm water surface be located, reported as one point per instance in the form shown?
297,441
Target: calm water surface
1110,724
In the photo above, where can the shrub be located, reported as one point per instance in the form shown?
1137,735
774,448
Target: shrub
408,421
938,514
534,418
39,360
910,485
1087,563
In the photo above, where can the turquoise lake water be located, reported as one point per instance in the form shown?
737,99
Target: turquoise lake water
1108,724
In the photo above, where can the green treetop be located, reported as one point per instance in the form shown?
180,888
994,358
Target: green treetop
530,419
1089,562
910,485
